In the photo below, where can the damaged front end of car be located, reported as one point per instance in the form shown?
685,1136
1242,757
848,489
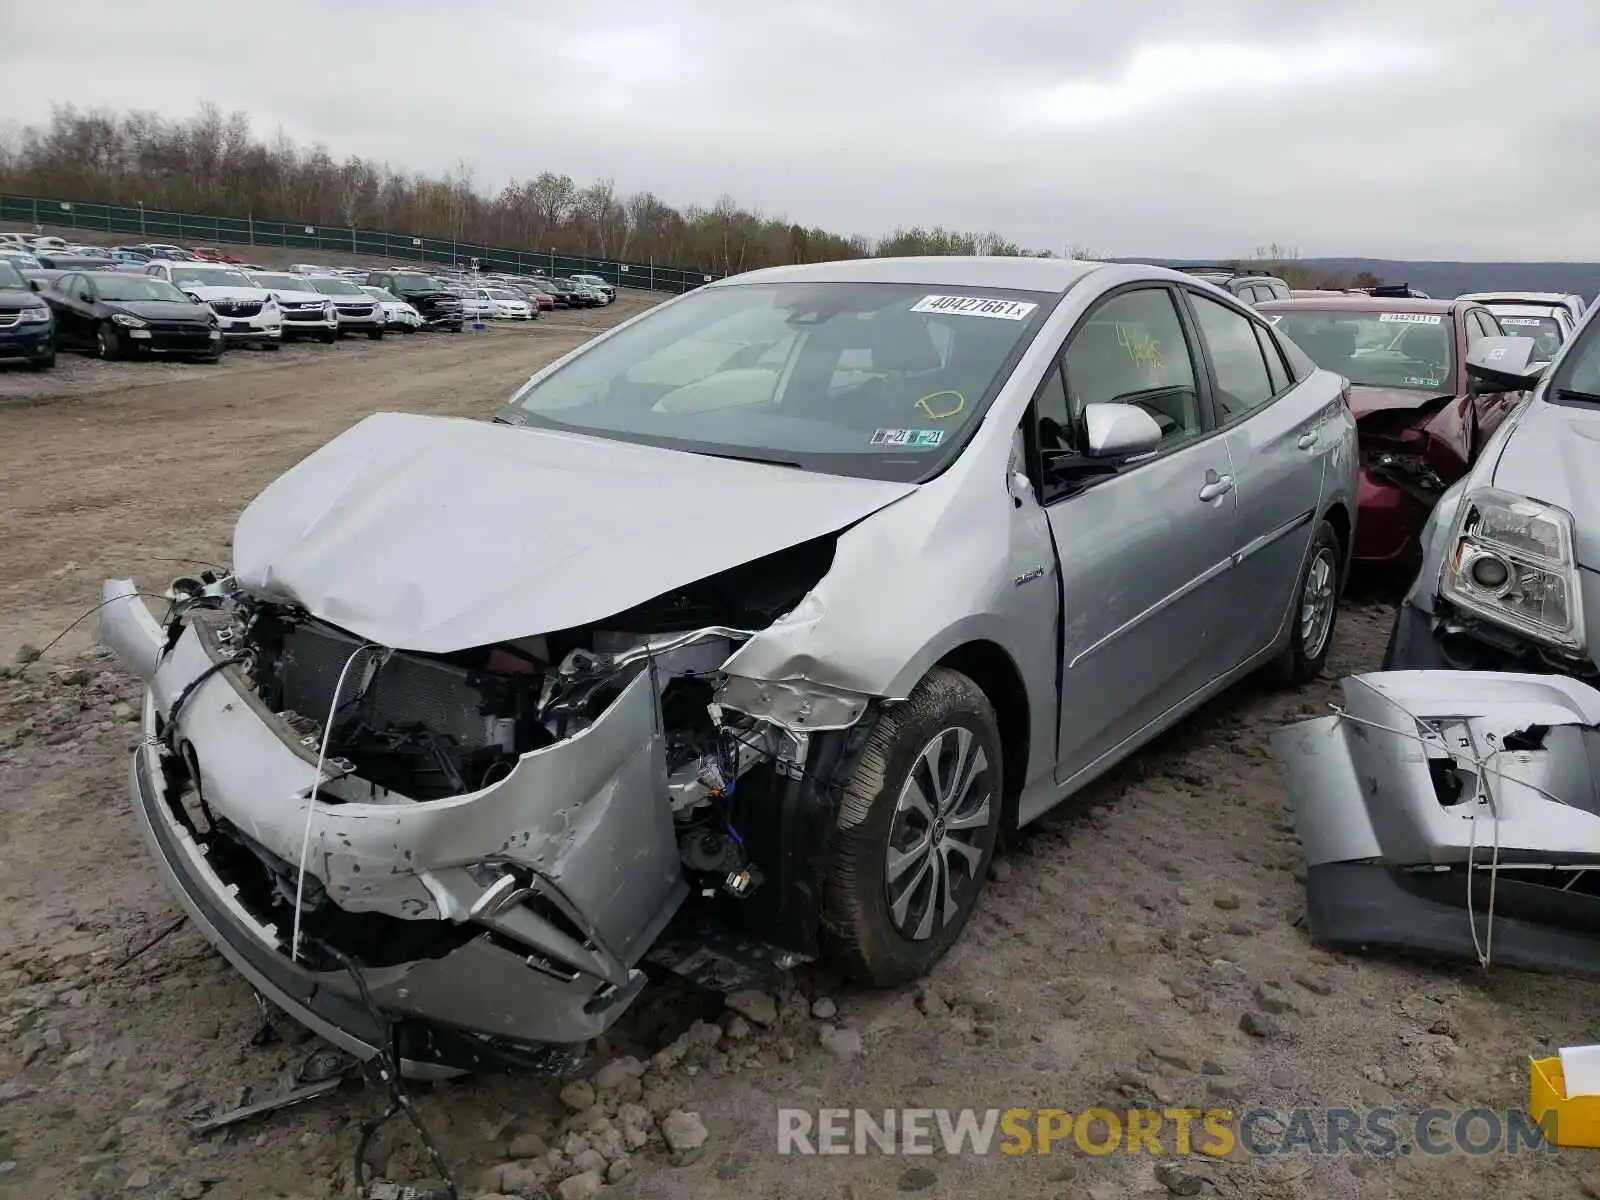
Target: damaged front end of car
1409,456
1453,815
495,837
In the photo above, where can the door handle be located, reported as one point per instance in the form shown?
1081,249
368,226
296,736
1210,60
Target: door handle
1217,485
1307,440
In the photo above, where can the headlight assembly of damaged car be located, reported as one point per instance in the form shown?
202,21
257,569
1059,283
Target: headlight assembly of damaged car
36,316
1511,563
129,322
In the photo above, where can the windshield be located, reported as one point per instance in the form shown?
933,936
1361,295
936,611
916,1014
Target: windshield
881,380
1545,331
10,277
336,287
1377,349
287,283
210,277
502,294
416,283
136,287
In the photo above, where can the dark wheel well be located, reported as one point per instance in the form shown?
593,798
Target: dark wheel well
991,669
1340,520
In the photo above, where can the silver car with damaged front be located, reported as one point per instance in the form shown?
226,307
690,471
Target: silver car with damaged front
734,642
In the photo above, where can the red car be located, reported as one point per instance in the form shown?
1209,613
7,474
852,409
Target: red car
1419,422
212,254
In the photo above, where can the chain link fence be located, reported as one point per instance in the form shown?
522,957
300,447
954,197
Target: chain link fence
142,224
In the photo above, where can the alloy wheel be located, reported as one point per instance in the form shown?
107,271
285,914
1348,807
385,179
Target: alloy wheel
1317,603
938,836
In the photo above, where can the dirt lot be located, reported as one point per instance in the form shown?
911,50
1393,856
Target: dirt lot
1113,959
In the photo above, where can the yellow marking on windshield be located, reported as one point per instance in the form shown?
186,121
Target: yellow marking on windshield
953,403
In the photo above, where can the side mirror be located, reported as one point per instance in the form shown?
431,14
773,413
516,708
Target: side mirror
33,285
1504,364
86,296
1119,430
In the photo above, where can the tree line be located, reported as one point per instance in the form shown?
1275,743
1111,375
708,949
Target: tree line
213,163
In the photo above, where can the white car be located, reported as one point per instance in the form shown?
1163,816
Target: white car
1549,325
473,306
245,311
397,314
306,311
48,243
307,269
504,304
1574,305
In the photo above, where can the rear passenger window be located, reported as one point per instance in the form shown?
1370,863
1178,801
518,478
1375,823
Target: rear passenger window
1243,384
1276,371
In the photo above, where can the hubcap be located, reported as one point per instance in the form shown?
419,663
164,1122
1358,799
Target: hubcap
1317,604
939,834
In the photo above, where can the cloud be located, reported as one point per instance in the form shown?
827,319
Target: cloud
1164,127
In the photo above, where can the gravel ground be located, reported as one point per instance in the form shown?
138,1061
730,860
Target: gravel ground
1144,943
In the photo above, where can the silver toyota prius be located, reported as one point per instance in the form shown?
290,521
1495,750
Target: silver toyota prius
733,642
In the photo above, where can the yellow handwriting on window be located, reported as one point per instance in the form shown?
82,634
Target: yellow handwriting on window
1143,351
939,405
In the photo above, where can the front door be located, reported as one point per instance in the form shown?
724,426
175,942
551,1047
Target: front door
1143,550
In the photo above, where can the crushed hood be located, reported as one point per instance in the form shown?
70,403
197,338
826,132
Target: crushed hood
1553,455
1364,401
436,534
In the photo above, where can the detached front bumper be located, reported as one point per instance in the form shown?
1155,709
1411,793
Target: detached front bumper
530,902
1427,782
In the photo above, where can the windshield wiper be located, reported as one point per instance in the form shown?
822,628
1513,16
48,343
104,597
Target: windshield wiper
1578,394
751,458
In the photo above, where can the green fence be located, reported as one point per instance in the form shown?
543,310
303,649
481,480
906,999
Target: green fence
189,229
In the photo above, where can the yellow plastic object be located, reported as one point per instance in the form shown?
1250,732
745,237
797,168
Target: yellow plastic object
1577,1118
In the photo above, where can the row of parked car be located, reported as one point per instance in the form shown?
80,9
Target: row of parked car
153,298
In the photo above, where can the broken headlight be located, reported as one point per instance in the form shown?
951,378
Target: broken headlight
1511,562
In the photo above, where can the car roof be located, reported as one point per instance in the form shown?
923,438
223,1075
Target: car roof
1518,297
1360,304
1025,274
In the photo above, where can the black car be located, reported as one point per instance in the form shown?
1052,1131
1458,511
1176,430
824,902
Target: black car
27,330
439,308
117,314
566,294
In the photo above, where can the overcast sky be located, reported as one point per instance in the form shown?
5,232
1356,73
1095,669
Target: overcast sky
1386,128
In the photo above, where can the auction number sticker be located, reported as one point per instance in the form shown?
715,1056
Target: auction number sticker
975,306
915,438
1413,318
1534,321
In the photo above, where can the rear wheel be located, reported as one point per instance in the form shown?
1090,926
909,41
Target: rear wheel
917,828
1315,612
107,344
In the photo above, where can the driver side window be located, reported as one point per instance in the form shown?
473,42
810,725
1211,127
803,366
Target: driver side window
1132,350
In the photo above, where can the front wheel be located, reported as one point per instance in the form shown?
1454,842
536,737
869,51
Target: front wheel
455,328
1315,612
917,826
328,337
107,345
274,344
43,364
375,335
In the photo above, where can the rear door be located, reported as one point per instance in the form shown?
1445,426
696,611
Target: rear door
1280,436
1143,549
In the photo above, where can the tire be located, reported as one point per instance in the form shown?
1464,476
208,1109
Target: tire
107,345
1315,612
880,815
328,337
375,335
273,345
456,328
43,364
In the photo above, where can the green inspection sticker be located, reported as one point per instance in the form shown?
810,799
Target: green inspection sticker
915,438
1419,381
